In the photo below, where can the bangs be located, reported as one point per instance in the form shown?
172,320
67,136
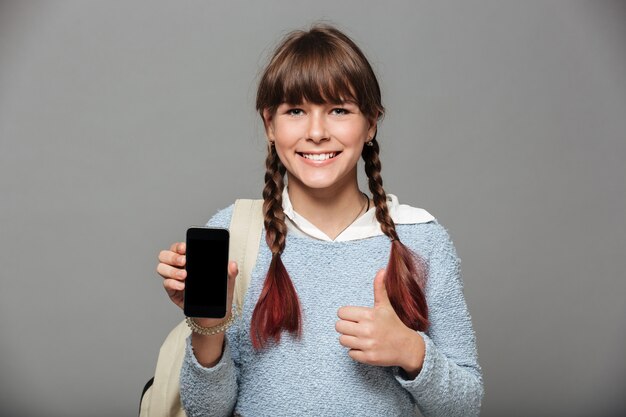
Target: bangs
319,67
313,76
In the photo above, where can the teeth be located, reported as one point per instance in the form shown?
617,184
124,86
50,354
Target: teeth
319,156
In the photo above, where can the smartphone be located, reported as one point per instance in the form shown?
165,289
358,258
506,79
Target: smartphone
207,272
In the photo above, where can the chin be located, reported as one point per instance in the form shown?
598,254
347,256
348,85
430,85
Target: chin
318,185
321,183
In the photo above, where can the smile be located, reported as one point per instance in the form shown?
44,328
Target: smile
318,156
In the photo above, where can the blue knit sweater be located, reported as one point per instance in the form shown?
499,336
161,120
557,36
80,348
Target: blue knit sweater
314,376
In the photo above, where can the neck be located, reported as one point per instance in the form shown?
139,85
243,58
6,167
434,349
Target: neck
331,209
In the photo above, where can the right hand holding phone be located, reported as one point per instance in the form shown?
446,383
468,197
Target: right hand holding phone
172,268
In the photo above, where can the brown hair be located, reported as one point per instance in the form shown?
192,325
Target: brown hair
323,65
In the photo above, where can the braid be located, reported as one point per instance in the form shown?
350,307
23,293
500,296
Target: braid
405,274
278,307
375,183
274,217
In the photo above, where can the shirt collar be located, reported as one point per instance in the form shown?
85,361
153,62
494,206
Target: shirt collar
363,227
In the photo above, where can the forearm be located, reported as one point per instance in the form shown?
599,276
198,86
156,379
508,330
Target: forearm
443,387
208,391
207,349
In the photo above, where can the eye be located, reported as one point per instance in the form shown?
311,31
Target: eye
295,112
340,111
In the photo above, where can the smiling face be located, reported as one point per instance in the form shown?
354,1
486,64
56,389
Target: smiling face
319,144
320,101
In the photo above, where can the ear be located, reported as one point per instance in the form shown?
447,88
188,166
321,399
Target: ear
268,118
371,131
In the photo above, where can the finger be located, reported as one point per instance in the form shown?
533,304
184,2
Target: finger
233,269
355,314
178,247
172,258
232,276
348,328
350,342
357,355
173,285
380,292
171,272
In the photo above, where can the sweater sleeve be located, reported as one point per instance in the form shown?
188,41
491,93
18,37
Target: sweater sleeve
211,391
450,382
208,391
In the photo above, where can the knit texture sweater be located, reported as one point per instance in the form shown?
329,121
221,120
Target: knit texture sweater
313,375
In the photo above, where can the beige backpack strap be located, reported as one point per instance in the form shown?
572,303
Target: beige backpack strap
162,399
164,395
246,227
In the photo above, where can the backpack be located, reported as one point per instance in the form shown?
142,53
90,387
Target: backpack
161,395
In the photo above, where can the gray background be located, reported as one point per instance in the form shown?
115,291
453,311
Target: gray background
124,122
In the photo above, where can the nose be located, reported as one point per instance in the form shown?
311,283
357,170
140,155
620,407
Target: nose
317,129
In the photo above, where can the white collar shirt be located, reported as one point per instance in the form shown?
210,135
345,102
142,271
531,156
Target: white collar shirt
363,227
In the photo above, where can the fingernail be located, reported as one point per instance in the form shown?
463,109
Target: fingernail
181,260
181,274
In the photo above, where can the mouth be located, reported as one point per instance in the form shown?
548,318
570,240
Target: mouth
318,156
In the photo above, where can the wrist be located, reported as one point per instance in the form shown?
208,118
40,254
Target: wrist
208,342
222,325
414,356
209,322
207,350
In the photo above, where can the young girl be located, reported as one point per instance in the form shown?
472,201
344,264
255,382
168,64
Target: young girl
355,305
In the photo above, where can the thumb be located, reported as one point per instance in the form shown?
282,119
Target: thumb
233,270
380,292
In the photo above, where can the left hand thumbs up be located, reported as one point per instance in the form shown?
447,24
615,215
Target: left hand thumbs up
376,335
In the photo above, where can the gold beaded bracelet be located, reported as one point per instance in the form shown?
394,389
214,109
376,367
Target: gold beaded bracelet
210,331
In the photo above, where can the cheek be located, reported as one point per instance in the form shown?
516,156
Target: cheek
280,152
286,137
354,132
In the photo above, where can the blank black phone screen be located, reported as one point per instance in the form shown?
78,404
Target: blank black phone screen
207,272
